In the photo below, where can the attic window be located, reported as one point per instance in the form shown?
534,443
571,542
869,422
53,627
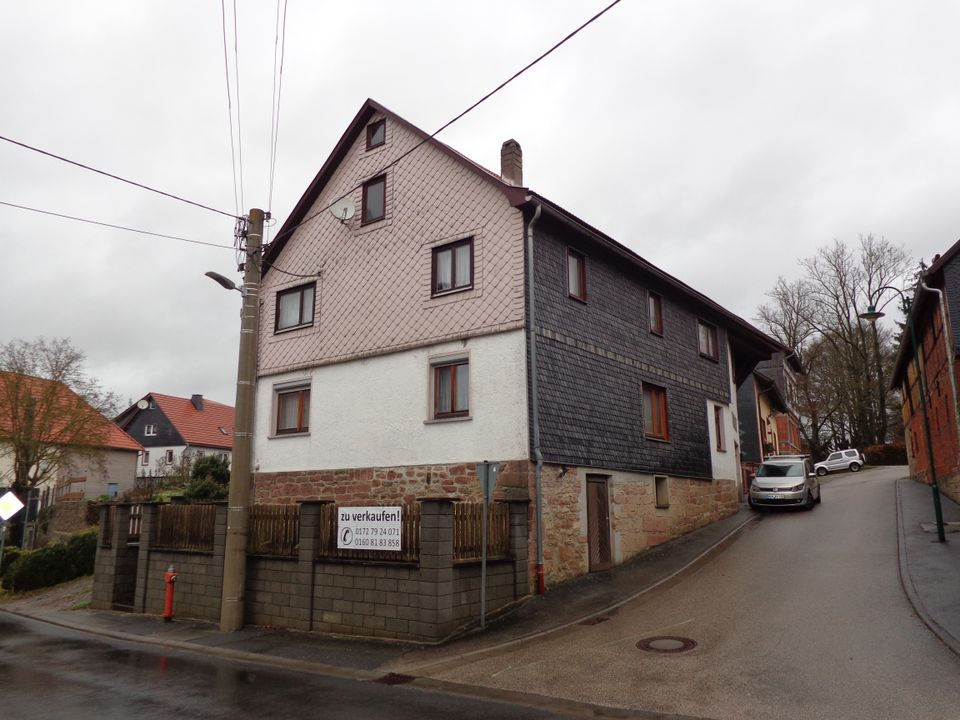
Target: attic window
376,134
374,199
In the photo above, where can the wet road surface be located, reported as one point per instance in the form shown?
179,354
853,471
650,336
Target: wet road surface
49,673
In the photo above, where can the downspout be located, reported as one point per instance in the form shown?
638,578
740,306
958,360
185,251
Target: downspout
949,354
534,400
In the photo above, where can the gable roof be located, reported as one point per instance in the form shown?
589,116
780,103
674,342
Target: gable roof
749,344
196,427
109,434
516,195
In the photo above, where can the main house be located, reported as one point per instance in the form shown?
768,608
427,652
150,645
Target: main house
445,315
176,431
936,314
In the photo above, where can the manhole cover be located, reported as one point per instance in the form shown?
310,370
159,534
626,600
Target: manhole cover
667,644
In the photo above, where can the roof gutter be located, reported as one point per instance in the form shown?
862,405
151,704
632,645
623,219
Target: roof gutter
534,394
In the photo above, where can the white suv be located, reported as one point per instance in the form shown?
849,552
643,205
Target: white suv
848,459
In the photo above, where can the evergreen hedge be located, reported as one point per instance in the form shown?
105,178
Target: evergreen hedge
53,564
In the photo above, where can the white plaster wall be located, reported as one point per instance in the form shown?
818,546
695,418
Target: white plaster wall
725,465
158,463
375,412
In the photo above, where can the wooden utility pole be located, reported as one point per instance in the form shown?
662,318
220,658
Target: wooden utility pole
235,551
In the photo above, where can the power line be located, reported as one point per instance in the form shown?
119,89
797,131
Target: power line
115,227
117,177
458,117
236,77
226,71
277,92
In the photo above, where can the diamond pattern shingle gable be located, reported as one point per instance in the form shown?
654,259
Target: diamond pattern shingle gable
373,294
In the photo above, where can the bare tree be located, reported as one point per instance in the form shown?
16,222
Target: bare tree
846,395
51,411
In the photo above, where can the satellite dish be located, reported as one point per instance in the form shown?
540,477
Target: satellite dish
343,209
143,404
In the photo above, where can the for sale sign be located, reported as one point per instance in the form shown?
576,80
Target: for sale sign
369,528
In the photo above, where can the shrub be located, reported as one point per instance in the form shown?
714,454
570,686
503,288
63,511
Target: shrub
53,564
206,489
215,467
889,454
10,554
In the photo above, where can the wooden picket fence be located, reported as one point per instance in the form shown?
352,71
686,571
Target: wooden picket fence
274,530
409,538
468,531
185,527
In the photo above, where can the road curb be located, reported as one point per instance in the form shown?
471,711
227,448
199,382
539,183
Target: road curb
910,590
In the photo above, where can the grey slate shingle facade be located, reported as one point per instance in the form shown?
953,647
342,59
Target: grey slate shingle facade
593,358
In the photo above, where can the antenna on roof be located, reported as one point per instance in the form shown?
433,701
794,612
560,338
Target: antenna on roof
343,209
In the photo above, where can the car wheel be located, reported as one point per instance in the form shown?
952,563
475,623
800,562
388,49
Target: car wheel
854,467
819,496
808,504
821,471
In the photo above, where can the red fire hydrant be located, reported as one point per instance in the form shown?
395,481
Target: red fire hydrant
169,578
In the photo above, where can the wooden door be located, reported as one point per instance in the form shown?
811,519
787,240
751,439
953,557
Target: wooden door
598,523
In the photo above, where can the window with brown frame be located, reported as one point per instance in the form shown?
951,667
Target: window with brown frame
169,456
295,307
451,389
655,311
452,267
293,410
374,199
707,340
376,134
718,426
655,412
576,275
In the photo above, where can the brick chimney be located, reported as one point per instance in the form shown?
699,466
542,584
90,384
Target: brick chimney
197,401
511,163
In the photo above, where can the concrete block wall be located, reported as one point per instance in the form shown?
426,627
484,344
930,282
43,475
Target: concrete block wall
425,601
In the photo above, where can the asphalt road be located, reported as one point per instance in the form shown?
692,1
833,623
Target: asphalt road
802,617
49,673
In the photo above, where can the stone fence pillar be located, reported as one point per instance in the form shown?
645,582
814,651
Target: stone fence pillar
436,619
310,540
110,568
519,545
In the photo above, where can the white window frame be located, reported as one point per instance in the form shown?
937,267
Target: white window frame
150,430
440,361
284,388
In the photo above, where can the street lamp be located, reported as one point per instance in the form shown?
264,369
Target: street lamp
872,314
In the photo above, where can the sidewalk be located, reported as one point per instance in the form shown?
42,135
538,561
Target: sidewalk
930,570
576,601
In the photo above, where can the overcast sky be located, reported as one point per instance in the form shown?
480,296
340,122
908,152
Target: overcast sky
720,140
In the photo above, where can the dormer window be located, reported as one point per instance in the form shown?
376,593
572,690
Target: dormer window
374,199
376,134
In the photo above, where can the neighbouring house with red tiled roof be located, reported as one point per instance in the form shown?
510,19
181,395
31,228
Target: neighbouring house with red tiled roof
107,462
175,431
